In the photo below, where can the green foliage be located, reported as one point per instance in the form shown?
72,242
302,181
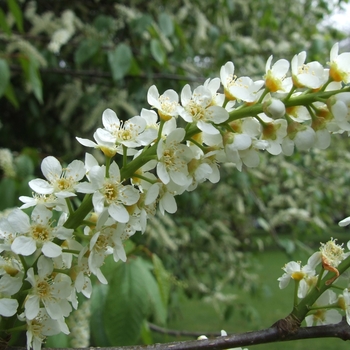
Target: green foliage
135,293
69,65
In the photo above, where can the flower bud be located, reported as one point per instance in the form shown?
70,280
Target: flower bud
274,108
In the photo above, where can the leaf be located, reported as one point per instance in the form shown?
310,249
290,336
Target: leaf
17,13
163,279
35,80
60,340
86,50
126,306
120,61
24,166
146,334
10,95
5,76
98,300
166,24
3,23
157,51
8,193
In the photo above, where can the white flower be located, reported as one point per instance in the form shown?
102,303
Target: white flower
294,270
104,242
110,192
198,108
61,182
105,144
275,77
300,135
52,292
131,133
48,200
274,132
42,326
340,108
324,316
37,234
173,158
339,65
311,75
243,88
9,285
166,104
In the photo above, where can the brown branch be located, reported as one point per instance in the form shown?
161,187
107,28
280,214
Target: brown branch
179,333
269,335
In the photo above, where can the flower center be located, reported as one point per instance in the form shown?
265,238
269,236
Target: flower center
40,233
43,289
111,192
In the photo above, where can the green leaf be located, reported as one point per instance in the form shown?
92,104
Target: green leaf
17,13
8,193
98,300
126,303
24,166
60,340
10,95
163,279
5,76
35,80
166,24
146,334
86,50
157,51
120,60
3,23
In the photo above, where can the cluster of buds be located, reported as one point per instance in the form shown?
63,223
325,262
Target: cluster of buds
51,245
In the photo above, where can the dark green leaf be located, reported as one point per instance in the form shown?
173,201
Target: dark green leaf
120,61
86,50
5,76
146,334
10,95
60,340
8,193
166,24
157,51
35,80
24,166
3,23
163,279
17,14
126,303
98,300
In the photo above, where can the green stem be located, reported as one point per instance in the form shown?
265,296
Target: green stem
75,220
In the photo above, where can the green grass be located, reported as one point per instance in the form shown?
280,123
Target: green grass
270,303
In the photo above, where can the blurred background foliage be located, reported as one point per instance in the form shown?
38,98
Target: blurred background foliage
60,68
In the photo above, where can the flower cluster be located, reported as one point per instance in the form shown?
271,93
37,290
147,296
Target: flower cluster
324,309
52,246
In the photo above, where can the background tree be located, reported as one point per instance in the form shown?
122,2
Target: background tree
61,68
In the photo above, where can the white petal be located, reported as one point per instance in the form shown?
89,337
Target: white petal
23,245
51,250
8,307
51,168
118,213
169,203
110,119
41,186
